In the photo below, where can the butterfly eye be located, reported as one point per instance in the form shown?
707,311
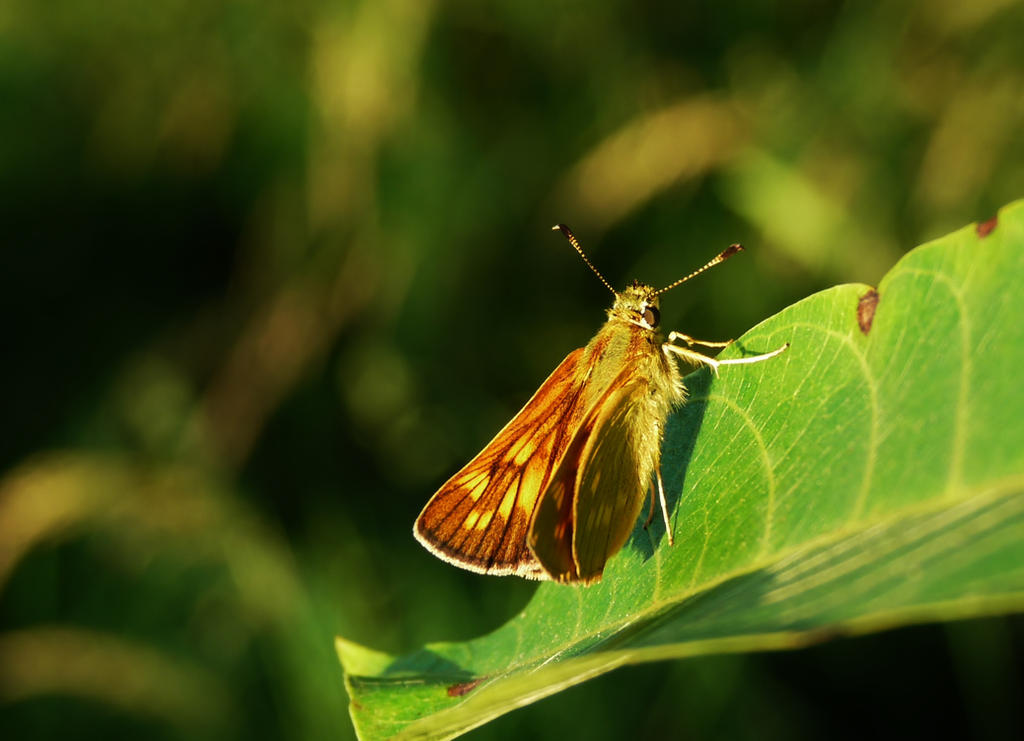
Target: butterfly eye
652,316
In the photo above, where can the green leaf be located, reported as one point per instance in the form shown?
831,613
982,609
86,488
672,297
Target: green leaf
870,477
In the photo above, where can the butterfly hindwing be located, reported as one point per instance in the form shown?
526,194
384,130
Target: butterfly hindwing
612,483
480,517
589,508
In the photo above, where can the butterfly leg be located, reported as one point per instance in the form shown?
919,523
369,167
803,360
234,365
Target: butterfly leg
664,505
673,336
713,363
755,358
693,356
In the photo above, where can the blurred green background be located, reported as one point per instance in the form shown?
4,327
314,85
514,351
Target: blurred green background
272,272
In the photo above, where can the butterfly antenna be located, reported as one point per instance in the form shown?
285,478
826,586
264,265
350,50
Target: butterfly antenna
567,233
717,260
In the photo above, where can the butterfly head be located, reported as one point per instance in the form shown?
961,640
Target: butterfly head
638,304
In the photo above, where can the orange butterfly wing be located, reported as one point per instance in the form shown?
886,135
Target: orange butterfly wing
480,518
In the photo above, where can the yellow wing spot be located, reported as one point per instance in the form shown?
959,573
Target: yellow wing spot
529,486
480,522
524,454
471,520
475,486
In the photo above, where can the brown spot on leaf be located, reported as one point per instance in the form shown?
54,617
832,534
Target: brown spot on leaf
463,688
986,227
866,310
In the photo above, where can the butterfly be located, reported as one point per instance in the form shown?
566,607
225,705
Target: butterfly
556,493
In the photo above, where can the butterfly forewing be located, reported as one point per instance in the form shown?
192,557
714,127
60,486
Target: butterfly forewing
480,517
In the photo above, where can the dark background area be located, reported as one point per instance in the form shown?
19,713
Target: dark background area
271,273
